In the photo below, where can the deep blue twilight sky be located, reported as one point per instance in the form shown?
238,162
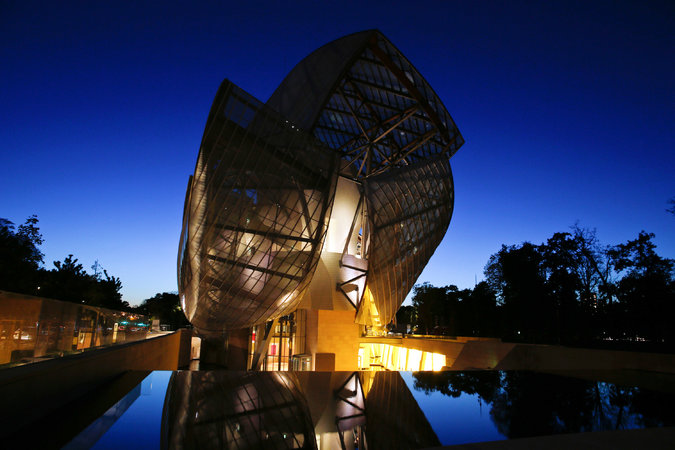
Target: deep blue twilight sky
567,109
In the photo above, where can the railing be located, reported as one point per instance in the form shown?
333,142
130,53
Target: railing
431,336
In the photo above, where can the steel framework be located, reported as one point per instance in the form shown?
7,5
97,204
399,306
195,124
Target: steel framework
258,206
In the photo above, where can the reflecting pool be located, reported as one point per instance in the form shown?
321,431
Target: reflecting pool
350,410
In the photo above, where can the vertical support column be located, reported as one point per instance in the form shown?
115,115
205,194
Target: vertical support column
280,352
262,343
237,349
214,349
228,349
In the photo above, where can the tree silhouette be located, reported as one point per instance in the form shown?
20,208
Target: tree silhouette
20,271
479,312
20,256
165,307
517,275
429,302
568,290
646,292
69,281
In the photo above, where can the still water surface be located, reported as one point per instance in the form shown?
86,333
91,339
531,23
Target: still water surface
223,409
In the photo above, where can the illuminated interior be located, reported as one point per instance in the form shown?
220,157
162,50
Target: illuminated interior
393,357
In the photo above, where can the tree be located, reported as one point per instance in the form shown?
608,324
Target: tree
20,257
646,292
517,276
30,234
478,312
20,271
429,302
68,281
596,271
571,284
165,307
568,290
406,315
109,288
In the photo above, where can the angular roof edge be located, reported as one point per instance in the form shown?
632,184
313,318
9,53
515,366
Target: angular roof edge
313,78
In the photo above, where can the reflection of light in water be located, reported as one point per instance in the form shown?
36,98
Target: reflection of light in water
268,409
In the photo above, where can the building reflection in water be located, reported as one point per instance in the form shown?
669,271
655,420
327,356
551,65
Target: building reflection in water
322,410
235,410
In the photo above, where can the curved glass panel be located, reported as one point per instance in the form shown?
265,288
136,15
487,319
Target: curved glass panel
258,205
410,211
394,137
255,215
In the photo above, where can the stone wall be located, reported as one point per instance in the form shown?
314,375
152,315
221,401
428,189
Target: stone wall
333,332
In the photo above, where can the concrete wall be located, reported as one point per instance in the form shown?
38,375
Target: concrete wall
549,357
510,356
34,390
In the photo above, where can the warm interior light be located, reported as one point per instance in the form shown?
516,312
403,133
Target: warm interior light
438,361
393,357
414,360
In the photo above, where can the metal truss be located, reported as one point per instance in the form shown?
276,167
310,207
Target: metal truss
258,205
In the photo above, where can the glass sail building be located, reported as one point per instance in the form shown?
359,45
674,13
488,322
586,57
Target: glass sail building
320,207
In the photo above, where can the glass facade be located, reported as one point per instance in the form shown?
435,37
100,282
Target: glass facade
339,186
34,328
255,215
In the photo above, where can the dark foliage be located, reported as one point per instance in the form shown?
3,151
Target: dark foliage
20,271
166,308
569,290
453,312
20,257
